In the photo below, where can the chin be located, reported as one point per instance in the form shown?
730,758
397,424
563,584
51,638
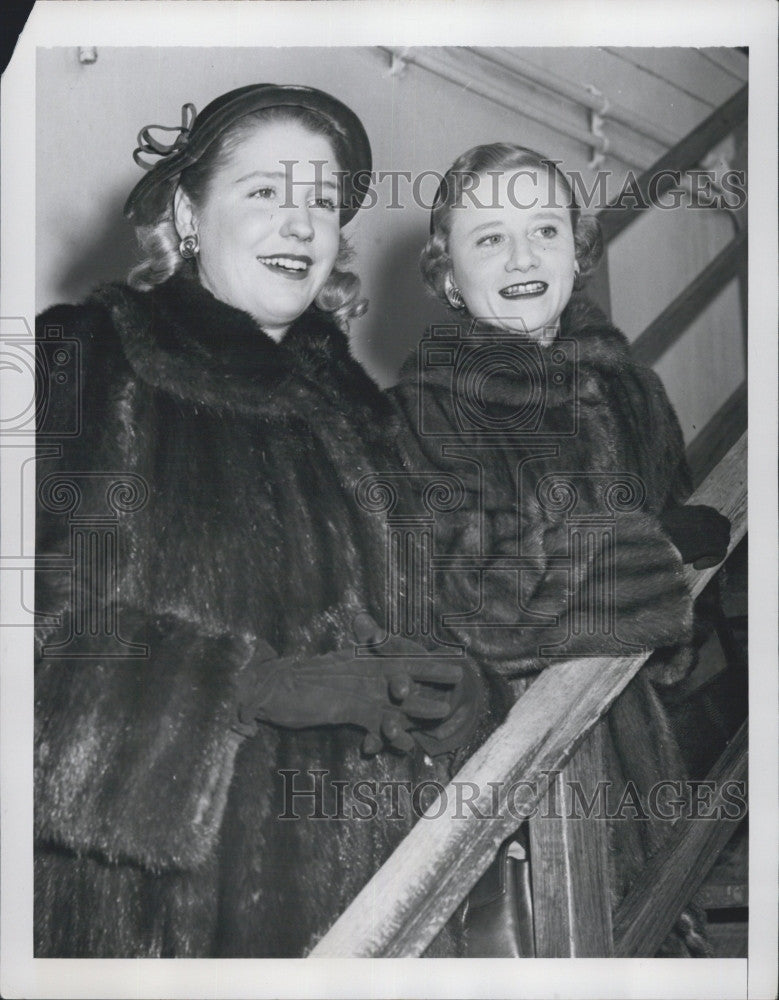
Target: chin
285,312
539,334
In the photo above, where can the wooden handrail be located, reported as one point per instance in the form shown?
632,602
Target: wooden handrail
411,897
684,155
664,331
729,421
718,435
671,879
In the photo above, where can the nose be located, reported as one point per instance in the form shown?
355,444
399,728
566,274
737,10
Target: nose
297,223
523,255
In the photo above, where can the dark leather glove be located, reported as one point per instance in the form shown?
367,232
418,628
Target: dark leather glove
385,695
467,699
700,533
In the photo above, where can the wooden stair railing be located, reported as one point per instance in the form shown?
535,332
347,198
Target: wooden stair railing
671,879
731,262
665,330
683,156
717,436
569,862
405,904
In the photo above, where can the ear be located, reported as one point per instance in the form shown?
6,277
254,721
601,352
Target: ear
183,213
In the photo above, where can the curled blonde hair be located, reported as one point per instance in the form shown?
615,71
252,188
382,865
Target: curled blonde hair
159,240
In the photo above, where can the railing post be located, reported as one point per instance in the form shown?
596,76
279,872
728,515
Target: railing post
569,860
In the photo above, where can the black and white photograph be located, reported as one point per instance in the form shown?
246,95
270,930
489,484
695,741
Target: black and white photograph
388,444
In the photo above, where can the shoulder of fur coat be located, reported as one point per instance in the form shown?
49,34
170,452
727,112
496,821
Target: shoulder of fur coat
598,341
179,338
598,378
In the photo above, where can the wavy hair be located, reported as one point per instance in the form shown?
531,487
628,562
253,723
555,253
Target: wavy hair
159,240
435,261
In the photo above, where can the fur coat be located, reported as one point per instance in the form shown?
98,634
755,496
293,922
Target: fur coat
158,829
539,437
543,440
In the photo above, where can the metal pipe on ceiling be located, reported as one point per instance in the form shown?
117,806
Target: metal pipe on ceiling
559,85
444,62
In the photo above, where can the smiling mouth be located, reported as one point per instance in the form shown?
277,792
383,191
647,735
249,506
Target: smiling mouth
287,265
524,290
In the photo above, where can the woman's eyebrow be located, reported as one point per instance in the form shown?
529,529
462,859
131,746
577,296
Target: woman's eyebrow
536,212
554,211
282,175
491,224
269,174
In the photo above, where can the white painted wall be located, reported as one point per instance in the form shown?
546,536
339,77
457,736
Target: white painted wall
88,116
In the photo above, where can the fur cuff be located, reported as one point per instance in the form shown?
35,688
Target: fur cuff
134,757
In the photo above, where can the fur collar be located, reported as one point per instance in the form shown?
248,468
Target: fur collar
598,342
599,345
179,338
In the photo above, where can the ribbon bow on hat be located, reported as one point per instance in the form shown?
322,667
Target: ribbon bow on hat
150,146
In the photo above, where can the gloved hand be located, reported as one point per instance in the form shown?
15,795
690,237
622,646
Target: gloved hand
700,533
385,695
466,701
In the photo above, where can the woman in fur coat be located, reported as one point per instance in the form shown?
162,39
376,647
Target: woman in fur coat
202,563
569,456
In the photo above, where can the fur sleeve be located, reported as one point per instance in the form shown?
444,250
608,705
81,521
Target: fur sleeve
68,440
133,757
651,428
537,617
519,621
636,404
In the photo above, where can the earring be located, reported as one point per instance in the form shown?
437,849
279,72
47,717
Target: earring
454,295
189,246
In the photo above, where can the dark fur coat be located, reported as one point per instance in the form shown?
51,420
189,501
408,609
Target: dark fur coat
509,419
157,829
543,439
